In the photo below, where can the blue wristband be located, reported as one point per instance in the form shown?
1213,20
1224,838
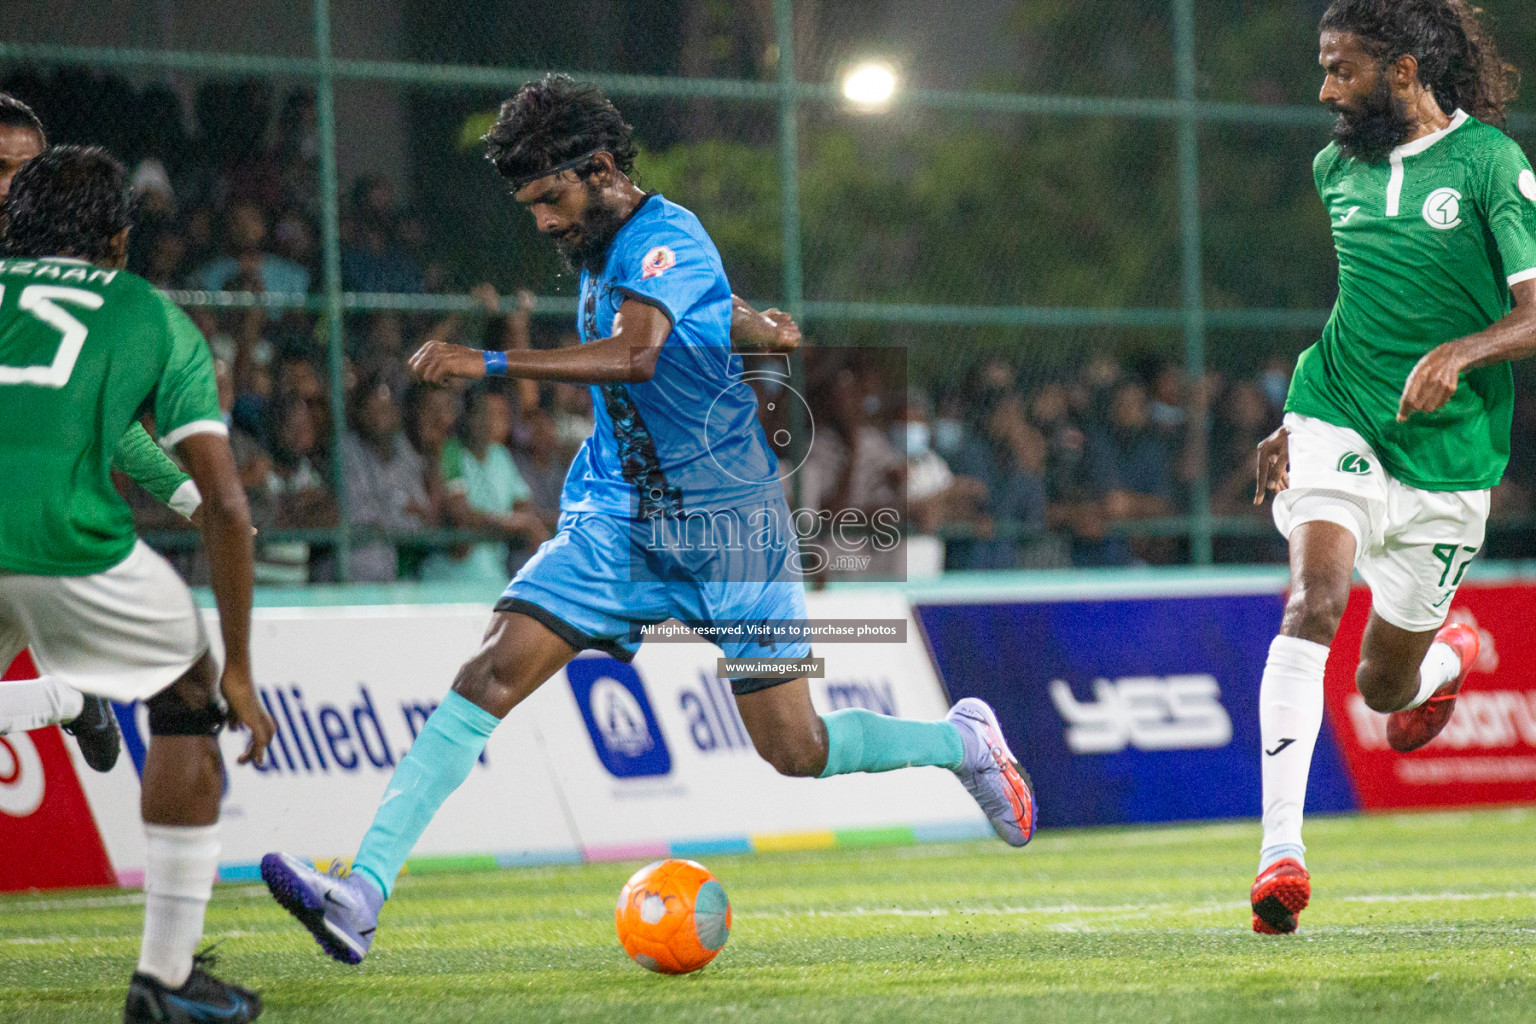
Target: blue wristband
495,364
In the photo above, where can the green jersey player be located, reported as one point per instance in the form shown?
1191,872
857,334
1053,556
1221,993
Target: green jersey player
85,347
35,703
1398,420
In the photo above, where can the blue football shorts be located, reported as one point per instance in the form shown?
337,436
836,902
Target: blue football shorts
602,577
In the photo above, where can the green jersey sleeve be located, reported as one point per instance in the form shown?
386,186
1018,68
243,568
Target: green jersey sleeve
186,398
1510,202
141,458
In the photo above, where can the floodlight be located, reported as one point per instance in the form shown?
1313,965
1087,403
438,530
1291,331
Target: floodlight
870,85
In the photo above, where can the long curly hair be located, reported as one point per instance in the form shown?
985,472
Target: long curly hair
554,120
1458,60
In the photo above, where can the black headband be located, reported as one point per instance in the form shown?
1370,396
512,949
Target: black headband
518,184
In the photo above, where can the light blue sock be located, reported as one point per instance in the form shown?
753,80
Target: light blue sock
1270,854
436,765
862,741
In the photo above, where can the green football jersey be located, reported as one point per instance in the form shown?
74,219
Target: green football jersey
1429,244
82,351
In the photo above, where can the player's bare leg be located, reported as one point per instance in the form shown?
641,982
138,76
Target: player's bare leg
1291,714
182,783
183,775
786,731
1398,670
517,655
789,734
1390,658
1414,677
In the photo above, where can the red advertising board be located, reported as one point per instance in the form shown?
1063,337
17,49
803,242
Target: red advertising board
47,834
1487,753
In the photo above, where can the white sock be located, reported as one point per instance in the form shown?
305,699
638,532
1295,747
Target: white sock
27,704
178,879
1441,665
1290,715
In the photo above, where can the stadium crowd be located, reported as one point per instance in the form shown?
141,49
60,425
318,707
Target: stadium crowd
1017,469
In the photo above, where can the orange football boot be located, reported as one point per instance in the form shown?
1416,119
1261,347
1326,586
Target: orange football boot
1411,729
1281,891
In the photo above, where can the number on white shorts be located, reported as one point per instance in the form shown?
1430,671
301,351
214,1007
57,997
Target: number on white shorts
1446,555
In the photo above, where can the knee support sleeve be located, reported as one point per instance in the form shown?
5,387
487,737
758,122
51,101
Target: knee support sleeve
170,715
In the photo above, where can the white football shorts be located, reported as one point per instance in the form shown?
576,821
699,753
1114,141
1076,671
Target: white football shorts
1412,547
125,634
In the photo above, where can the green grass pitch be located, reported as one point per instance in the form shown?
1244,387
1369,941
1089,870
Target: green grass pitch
1415,918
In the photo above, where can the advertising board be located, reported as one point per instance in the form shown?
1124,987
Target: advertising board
1487,753
1132,709
605,761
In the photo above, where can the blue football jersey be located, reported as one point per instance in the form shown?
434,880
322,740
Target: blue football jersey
689,438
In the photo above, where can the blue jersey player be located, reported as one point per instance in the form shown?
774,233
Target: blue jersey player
675,445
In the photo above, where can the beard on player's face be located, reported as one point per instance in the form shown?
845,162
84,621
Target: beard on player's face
1375,124
584,246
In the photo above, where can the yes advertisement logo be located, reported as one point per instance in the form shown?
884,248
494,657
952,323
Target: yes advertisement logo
618,715
1145,712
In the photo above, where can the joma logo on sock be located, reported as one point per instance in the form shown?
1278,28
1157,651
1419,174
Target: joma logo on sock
1145,712
1349,462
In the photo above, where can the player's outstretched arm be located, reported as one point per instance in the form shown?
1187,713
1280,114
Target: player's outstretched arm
1434,380
139,457
628,356
771,330
227,534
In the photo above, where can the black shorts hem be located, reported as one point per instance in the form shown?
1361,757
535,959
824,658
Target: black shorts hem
564,630
757,684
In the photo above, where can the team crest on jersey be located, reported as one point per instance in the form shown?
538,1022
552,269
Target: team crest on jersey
1349,462
657,262
1528,184
1442,210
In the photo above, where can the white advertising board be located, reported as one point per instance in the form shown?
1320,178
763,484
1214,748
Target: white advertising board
348,689
700,778
604,761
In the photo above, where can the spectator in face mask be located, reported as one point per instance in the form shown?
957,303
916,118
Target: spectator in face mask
928,474
1133,461
1009,460
1133,466
948,428
936,498
1275,382
1167,405
853,472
